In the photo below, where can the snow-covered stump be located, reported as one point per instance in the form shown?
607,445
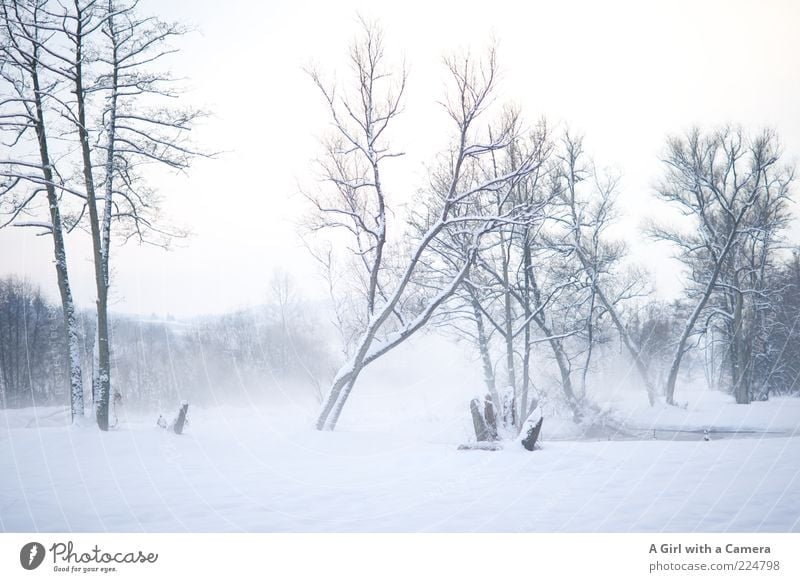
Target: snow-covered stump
529,442
485,424
531,429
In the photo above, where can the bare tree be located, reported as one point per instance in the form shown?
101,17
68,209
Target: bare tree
139,129
585,221
32,87
492,302
718,181
748,293
78,22
541,292
549,279
357,201
115,105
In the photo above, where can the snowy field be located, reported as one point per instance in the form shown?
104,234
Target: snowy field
256,470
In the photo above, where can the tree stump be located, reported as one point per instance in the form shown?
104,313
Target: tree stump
481,430
529,442
181,420
490,417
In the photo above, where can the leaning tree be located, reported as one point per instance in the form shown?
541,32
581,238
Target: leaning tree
395,298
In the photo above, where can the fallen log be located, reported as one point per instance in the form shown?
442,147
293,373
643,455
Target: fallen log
481,446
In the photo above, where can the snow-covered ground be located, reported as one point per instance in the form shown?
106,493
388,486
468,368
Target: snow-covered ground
262,469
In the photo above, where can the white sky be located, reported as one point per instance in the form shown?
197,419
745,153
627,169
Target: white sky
625,73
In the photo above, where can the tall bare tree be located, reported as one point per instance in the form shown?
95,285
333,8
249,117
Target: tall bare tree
31,87
748,293
138,128
113,116
121,121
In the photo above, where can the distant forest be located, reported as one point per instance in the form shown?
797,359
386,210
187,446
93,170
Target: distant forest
237,355
158,363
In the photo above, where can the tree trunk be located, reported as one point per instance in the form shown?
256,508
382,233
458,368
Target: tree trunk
67,303
695,315
737,350
508,332
180,422
104,360
566,379
336,401
478,422
526,348
483,349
